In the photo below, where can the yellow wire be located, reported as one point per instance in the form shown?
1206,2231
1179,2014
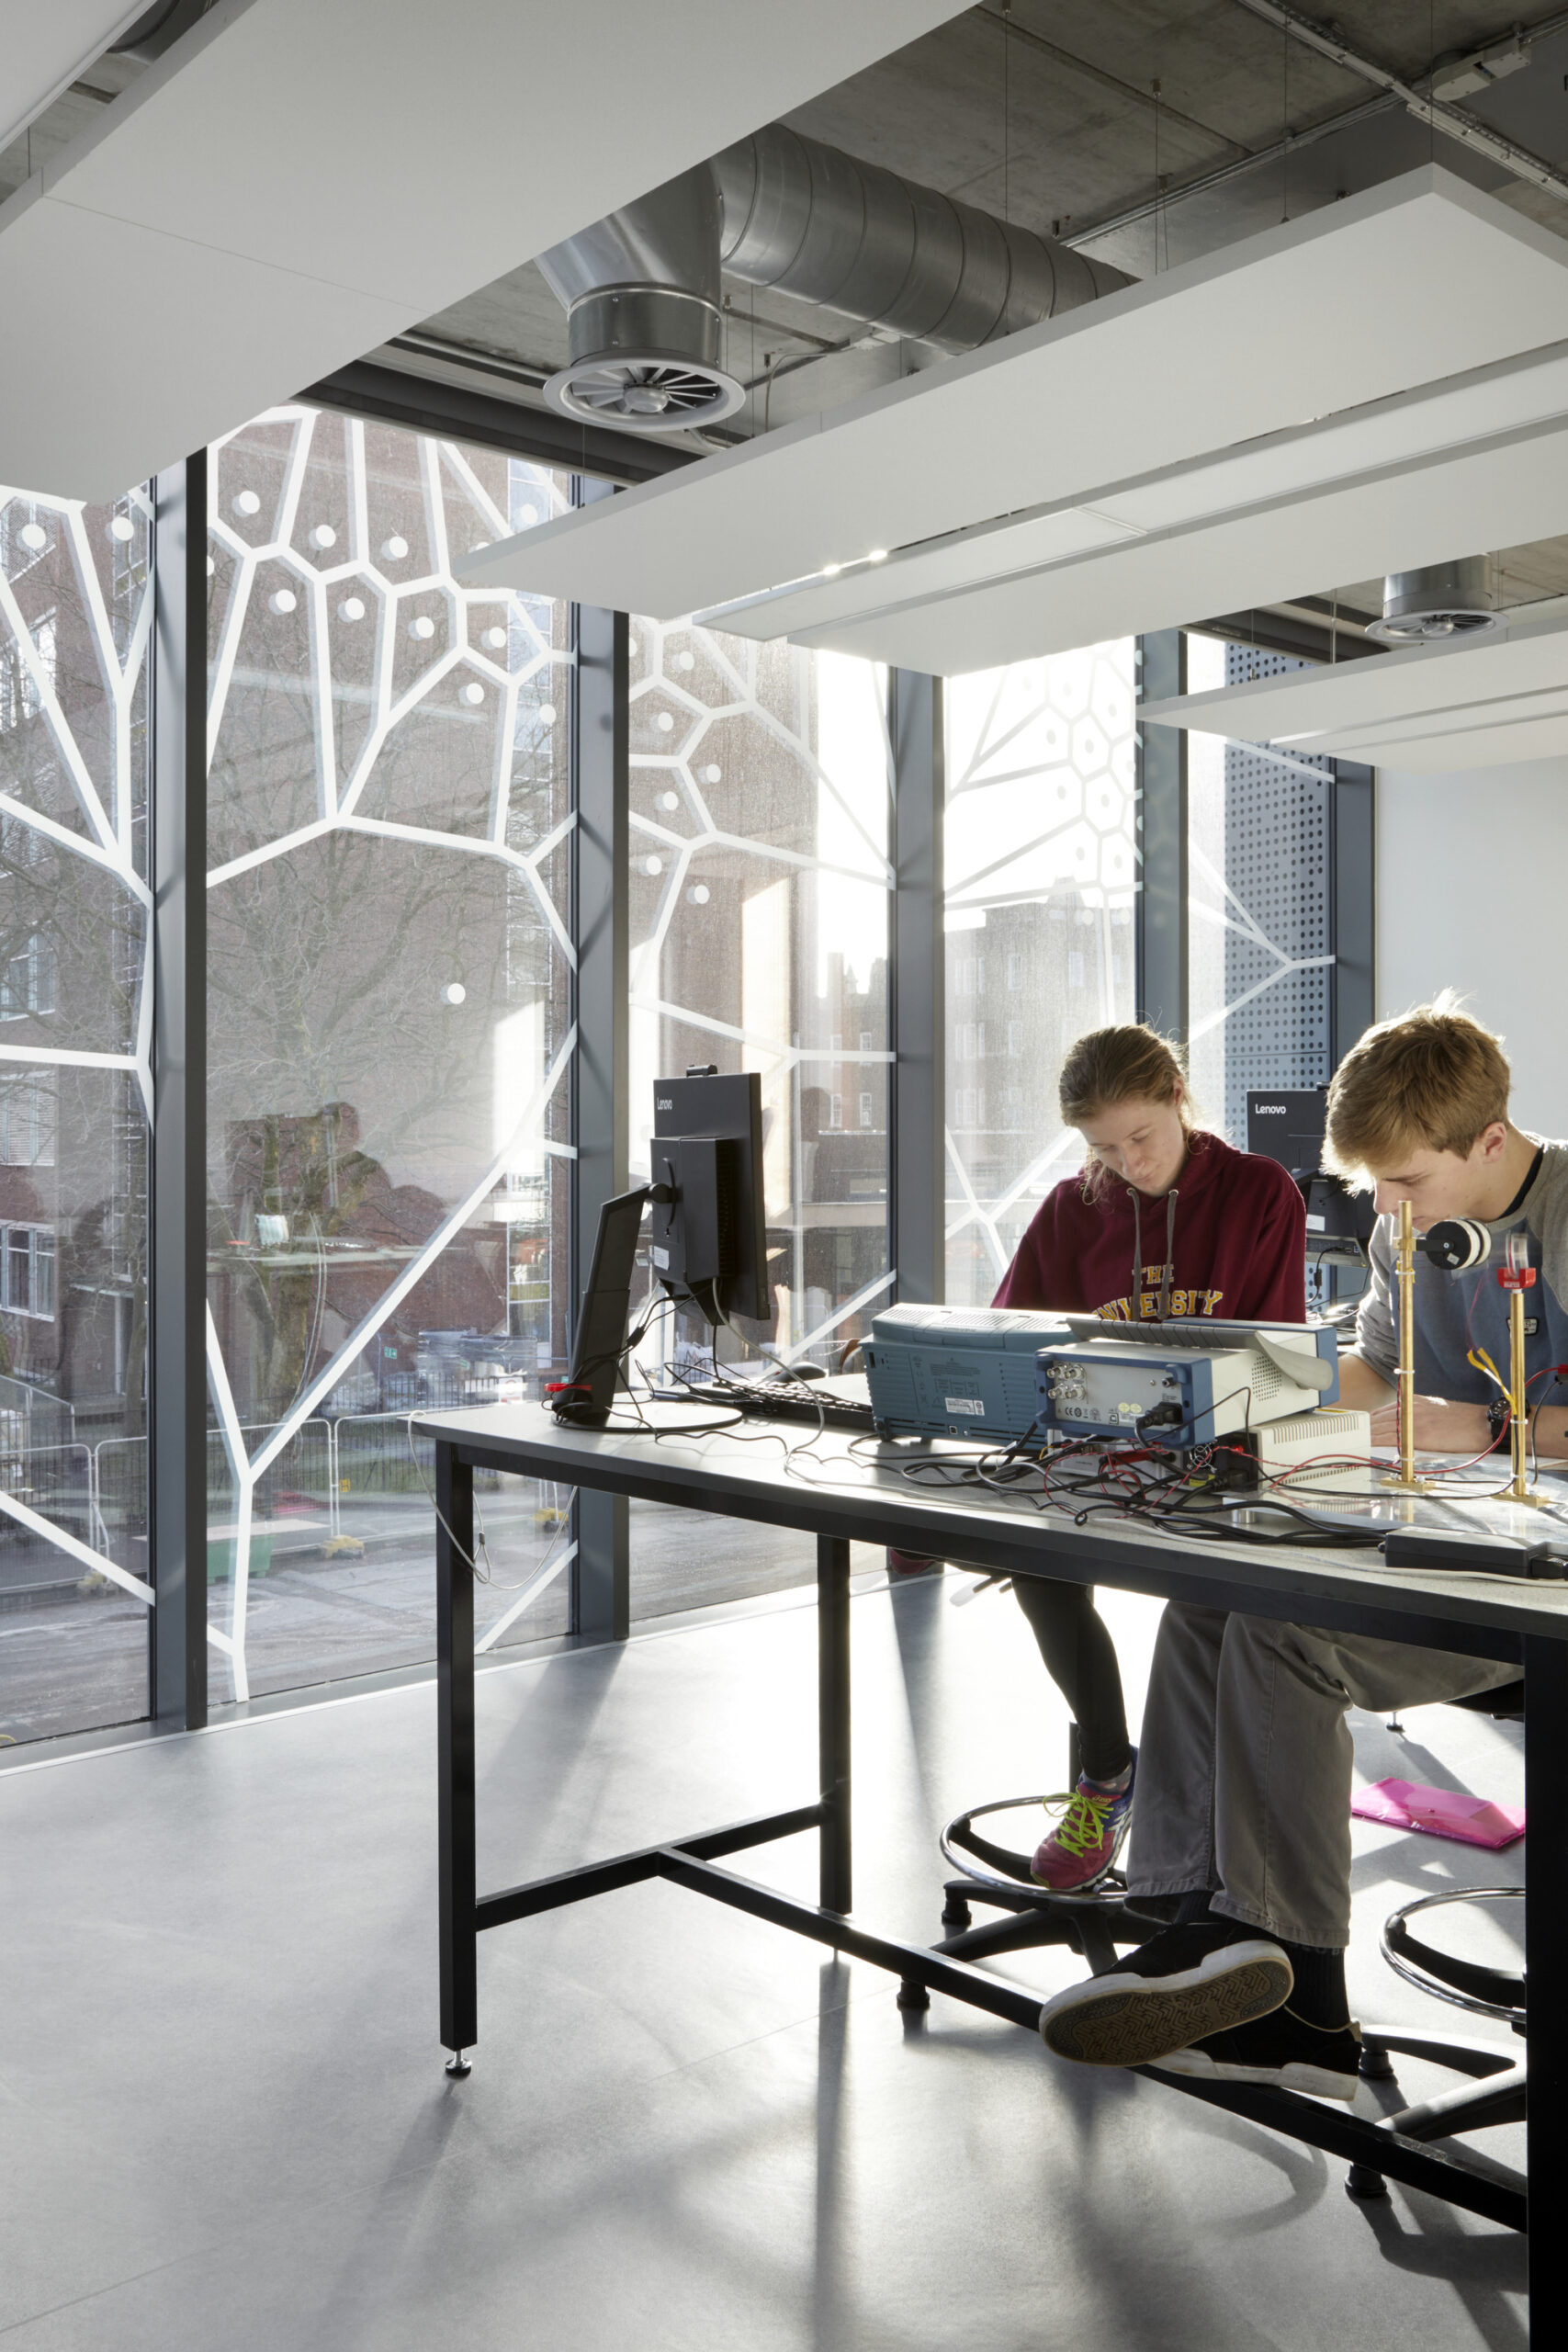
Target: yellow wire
1482,1362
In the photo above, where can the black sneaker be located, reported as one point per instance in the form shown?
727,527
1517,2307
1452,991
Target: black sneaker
1280,2052
1183,1986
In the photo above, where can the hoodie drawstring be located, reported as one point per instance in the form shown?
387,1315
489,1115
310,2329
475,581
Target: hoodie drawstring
1170,1266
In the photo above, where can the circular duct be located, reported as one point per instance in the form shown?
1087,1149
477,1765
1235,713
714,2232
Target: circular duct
1441,601
158,29
645,359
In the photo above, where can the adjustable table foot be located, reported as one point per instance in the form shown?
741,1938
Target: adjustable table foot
1363,2183
457,2066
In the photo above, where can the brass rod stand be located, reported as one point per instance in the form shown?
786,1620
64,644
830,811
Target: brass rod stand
1405,1481
1519,1489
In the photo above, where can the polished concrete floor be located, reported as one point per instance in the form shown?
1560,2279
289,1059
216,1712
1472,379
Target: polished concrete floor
224,2122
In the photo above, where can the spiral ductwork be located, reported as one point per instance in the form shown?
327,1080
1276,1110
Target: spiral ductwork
642,287
829,229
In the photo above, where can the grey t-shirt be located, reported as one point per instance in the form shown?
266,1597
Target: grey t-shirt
1458,1312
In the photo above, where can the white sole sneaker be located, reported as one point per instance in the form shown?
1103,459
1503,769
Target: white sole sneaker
1317,2082
1124,2020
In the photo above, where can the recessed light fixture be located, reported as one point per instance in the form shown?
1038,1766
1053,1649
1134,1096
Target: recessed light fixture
454,992
711,773
473,692
282,600
698,895
653,865
351,609
246,502
665,722
423,628
670,800
394,549
324,536
495,639
123,528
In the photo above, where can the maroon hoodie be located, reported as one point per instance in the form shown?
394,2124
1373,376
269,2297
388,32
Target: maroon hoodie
1229,1238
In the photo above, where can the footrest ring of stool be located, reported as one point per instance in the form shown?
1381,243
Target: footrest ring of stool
1488,1992
975,1858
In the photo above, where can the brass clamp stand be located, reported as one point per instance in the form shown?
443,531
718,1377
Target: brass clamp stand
1405,1481
1516,1276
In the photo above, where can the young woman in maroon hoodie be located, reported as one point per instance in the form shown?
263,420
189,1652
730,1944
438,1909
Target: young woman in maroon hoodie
1164,1219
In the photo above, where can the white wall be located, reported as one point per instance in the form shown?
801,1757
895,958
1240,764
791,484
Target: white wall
1473,894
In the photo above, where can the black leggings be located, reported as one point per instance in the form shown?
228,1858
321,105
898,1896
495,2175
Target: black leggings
1080,1658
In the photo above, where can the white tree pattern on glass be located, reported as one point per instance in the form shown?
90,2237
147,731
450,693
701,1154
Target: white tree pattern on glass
383,638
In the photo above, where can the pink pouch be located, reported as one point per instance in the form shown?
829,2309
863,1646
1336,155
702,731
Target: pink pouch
1445,1812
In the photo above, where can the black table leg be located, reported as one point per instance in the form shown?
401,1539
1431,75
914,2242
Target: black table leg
454,1735
833,1717
1546,1972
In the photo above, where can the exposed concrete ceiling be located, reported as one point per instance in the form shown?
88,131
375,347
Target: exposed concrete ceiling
1049,114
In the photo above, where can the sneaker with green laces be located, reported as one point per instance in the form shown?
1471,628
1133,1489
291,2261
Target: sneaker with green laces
1086,1841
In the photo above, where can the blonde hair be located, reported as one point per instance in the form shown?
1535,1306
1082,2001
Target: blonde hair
1128,1063
1431,1079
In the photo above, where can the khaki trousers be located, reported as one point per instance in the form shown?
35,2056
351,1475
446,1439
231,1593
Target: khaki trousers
1245,1762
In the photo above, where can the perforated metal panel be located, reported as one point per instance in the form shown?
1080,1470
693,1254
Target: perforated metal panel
1278,871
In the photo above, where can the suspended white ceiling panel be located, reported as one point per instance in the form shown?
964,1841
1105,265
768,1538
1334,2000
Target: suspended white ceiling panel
293,182
1279,467
1401,286
1493,700
44,44
1499,491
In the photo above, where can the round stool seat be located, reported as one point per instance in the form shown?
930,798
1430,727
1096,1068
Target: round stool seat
1469,1985
988,1864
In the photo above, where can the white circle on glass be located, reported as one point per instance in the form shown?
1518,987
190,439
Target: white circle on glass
526,517
211,567
282,600
121,527
665,722
495,639
653,865
33,536
423,628
697,896
246,502
324,536
685,660
711,773
454,992
395,549
670,800
547,714
351,609
473,692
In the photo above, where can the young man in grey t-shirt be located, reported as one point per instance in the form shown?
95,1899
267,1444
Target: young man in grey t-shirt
1242,1836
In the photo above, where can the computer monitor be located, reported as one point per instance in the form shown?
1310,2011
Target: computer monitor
1287,1124
708,1242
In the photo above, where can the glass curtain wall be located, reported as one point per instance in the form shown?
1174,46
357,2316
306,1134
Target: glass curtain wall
389,1032
761,790
1261,939
76,1087
1040,861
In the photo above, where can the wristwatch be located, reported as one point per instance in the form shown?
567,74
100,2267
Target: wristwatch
1499,1413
